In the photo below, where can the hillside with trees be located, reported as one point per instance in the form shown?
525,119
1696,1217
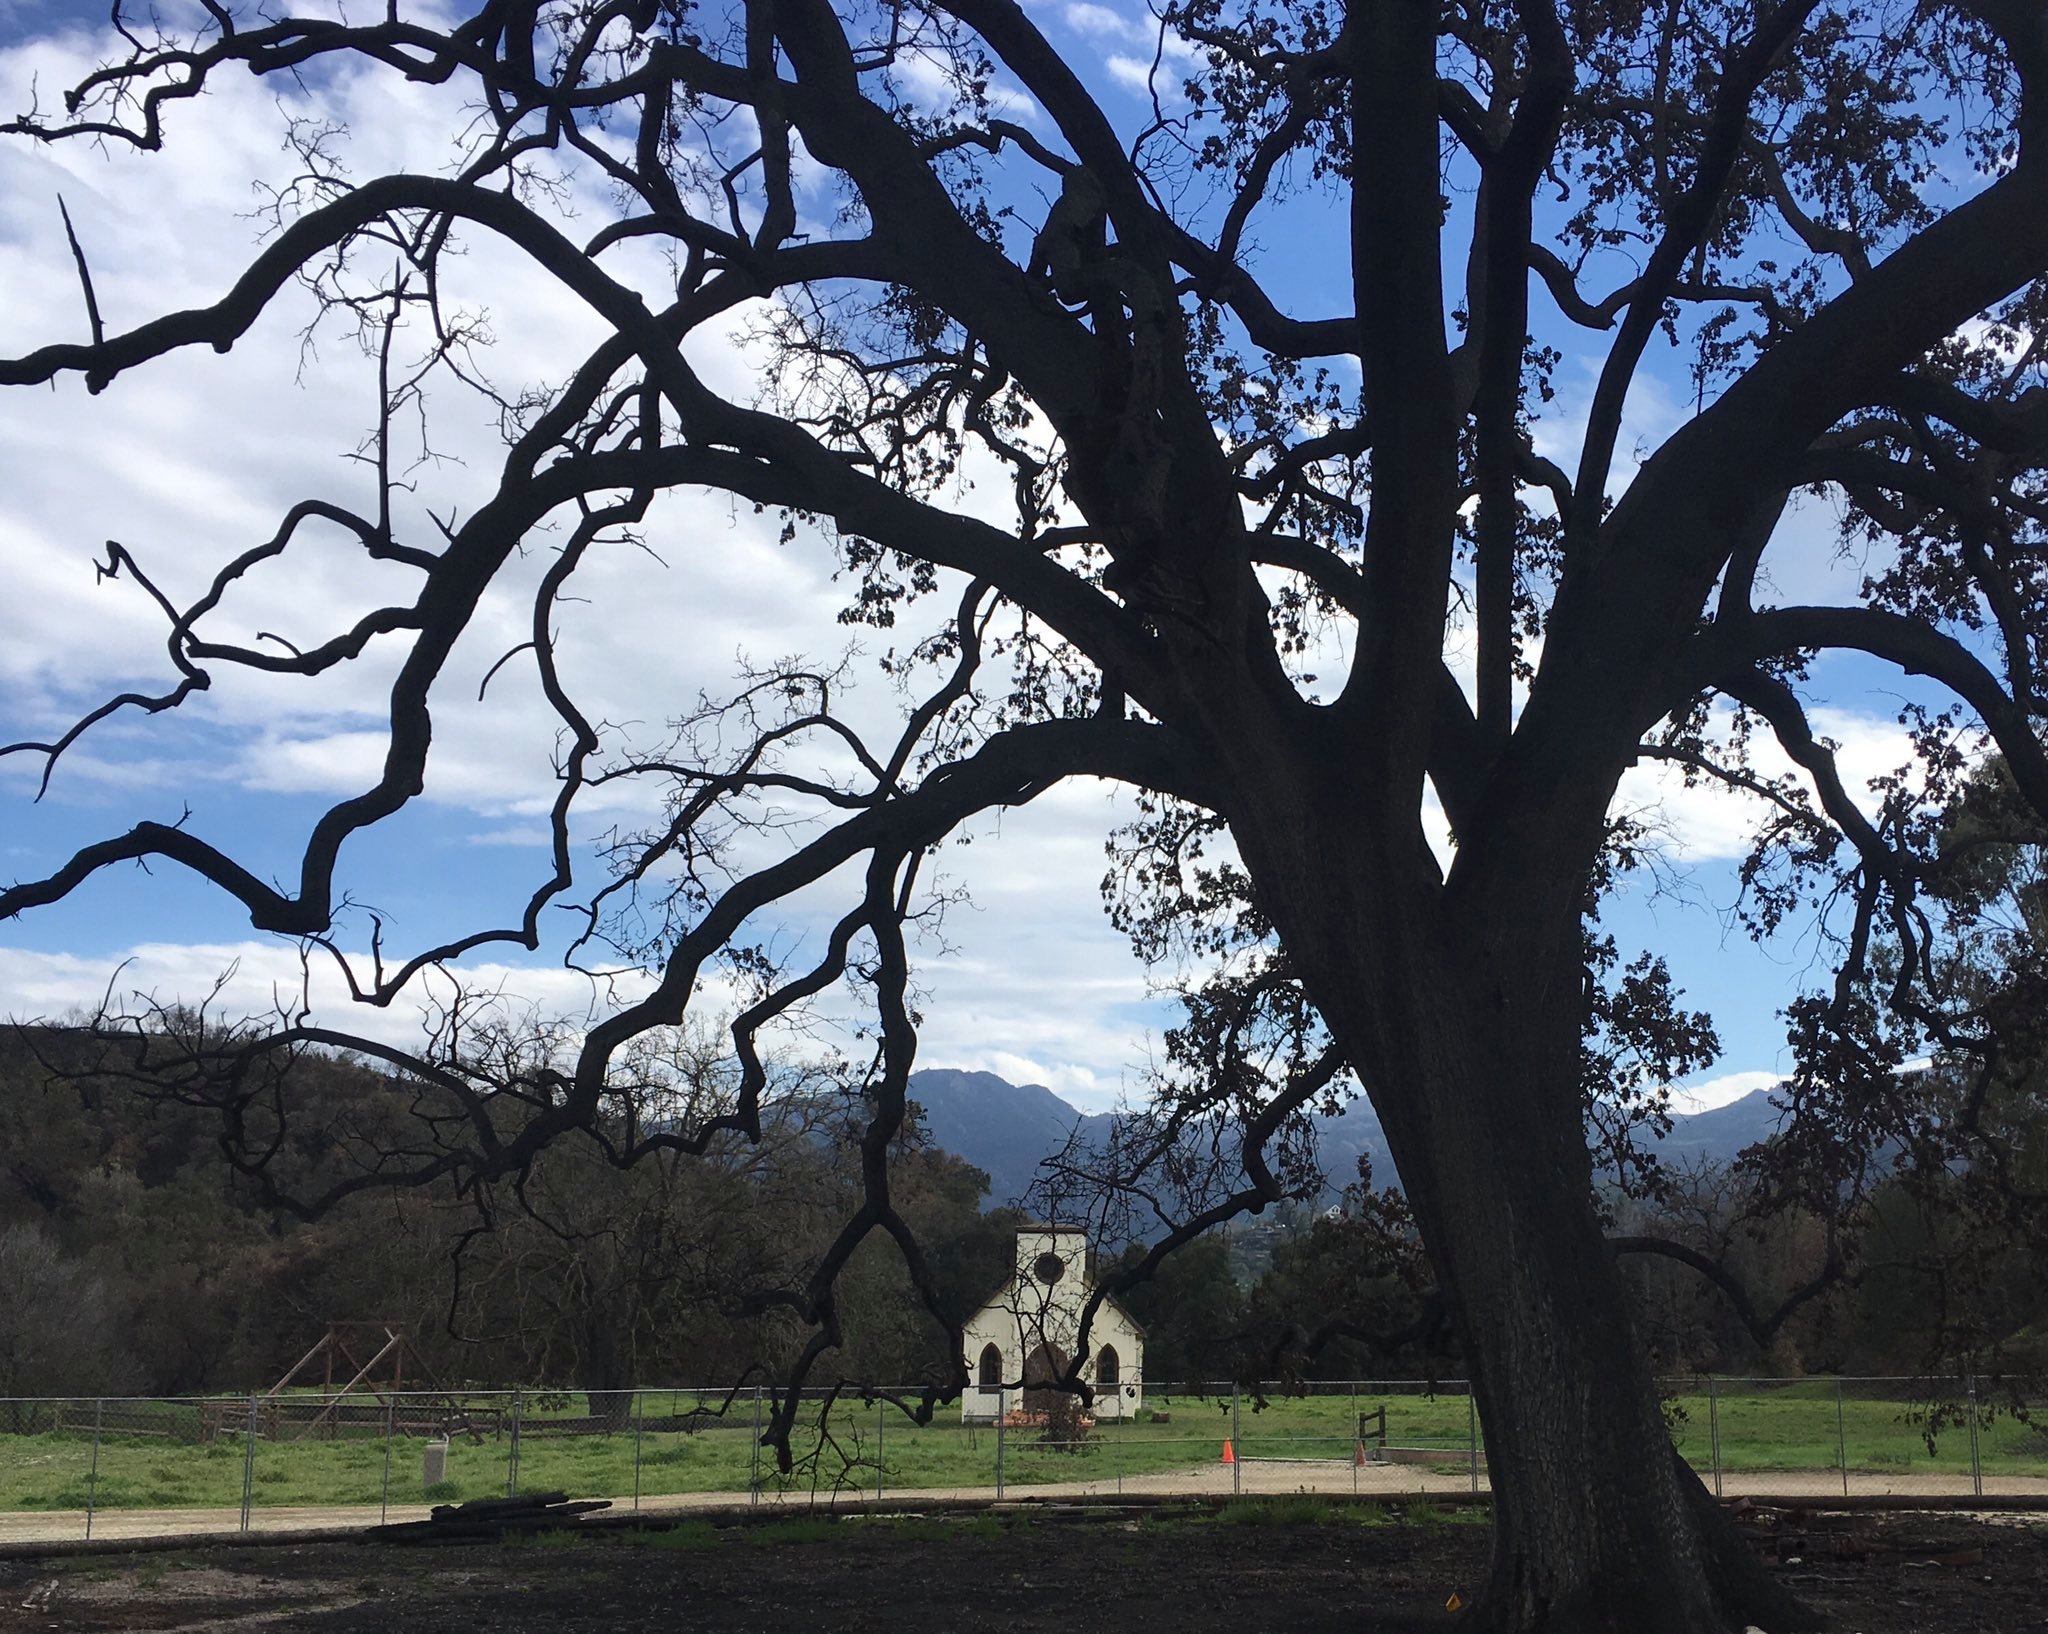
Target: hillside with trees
134,1257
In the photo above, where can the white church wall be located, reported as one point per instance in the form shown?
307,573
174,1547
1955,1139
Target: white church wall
1041,1306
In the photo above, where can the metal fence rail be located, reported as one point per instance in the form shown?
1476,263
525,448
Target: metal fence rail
123,1466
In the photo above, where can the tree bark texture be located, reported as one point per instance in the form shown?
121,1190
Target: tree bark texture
1467,1040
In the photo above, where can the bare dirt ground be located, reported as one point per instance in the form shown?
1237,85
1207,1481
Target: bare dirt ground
1335,1475
1017,1573
1254,1476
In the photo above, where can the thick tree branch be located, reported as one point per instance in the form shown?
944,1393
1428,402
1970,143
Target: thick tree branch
1500,312
1762,1326
1397,270
1685,226
1915,647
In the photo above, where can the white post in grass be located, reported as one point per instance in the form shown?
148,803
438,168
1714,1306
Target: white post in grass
1841,1436
754,1467
1236,1445
1357,1438
92,1479
1472,1432
390,1426
1976,1461
512,1452
1714,1428
249,1462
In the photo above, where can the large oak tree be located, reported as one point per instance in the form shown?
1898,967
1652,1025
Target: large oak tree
955,259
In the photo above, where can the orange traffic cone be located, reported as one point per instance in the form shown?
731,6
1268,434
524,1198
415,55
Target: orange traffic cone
1229,1457
1358,1456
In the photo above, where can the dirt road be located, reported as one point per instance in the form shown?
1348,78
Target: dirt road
1254,1476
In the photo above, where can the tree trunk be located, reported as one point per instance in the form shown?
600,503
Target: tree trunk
602,1370
611,1411
1468,1043
1598,1524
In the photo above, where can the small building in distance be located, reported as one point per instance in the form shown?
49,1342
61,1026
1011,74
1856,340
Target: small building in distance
1025,1332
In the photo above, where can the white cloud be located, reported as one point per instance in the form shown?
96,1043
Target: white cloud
1136,73
2010,344
531,835
1808,564
1649,414
198,456
931,84
1074,1082
1134,69
1106,22
1723,1090
1712,821
1085,17
1036,985
260,978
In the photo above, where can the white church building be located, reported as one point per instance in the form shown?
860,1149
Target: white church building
1025,1333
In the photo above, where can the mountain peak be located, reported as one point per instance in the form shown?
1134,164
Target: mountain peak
1009,1129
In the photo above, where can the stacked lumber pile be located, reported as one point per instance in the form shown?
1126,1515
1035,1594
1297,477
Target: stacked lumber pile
482,1519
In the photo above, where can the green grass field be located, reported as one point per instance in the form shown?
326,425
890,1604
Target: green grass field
1762,1427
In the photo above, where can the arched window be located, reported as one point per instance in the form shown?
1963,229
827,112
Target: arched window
1108,1367
991,1368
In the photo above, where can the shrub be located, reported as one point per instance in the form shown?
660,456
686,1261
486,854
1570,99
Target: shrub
1067,1425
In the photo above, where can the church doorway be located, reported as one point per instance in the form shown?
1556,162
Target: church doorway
1042,1369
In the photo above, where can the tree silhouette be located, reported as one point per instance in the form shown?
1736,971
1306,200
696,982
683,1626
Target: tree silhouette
1834,211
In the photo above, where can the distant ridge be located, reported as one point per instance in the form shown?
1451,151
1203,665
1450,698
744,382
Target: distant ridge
1009,1129
1722,1131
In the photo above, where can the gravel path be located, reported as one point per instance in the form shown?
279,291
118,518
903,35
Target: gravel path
1256,1476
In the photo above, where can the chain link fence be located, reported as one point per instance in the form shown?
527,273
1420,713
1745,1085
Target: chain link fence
130,1467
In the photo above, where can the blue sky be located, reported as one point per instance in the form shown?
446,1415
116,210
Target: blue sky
201,454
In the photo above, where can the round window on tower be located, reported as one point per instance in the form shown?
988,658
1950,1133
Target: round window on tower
1049,1268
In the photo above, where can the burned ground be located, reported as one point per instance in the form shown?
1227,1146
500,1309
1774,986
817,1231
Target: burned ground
1276,1564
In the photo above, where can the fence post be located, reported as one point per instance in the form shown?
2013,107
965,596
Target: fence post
1002,1413
1841,1436
92,1479
1472,1432
390,1424
881,1412
639,1425
1976,1462
1358,1437
1714,1428
249,1461
512,1453
1236,1463
754,1466
1116,1442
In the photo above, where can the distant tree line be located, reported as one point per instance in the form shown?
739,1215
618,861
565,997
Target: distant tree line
134,1256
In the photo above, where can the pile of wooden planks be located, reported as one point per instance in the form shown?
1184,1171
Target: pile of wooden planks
482,1519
